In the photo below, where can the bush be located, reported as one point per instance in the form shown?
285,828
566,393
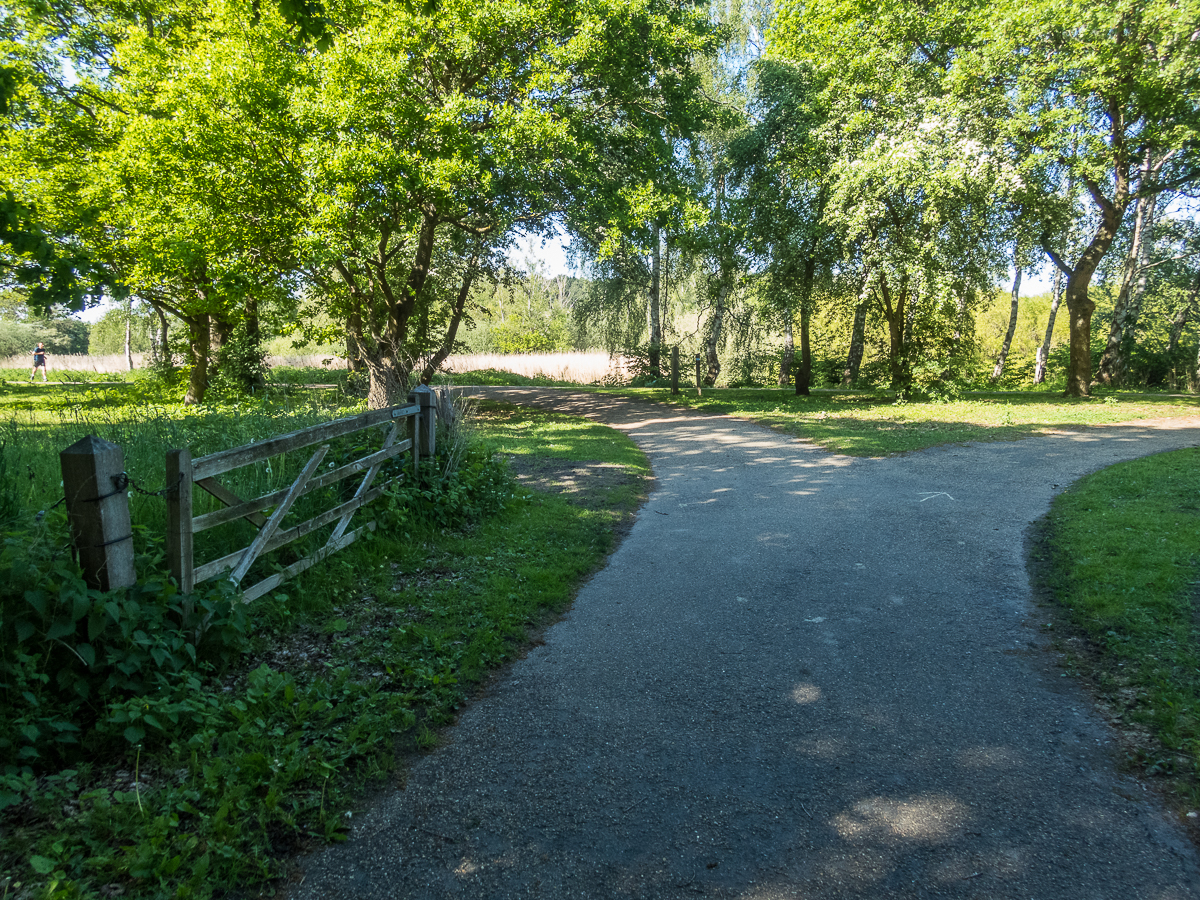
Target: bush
70,655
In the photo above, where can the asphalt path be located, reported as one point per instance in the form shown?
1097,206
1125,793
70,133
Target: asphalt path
800,675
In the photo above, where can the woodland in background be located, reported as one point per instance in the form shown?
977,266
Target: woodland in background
811,193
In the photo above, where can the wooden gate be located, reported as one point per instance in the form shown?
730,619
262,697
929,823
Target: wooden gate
185,472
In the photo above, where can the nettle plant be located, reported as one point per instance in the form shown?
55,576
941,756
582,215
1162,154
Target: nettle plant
71,656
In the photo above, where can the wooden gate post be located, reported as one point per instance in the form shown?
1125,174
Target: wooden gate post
426,439
179,519
95,485
674,371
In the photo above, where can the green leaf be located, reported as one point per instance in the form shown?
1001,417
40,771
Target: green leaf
37,599
338,625
134,734
96,623
87,653
41,864
60,629
25,630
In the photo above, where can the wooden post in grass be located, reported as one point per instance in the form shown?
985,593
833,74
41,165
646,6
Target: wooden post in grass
425,422
699,391
179,519
95,487
674,371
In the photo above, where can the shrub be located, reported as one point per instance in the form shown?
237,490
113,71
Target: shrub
70,655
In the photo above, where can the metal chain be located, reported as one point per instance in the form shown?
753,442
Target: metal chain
123,481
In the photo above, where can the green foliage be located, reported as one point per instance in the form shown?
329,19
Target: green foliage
108,334
478,486
241,365
1124,560
69,655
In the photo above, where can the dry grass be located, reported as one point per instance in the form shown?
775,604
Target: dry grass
76,362
579,367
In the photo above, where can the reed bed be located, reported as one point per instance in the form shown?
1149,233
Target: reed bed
585,367
580,367
103,364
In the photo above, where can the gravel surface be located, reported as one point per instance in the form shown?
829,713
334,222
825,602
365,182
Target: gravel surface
801,675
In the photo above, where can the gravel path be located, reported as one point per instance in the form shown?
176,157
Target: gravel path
801,675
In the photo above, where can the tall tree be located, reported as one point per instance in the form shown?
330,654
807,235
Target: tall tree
477,117
1090,90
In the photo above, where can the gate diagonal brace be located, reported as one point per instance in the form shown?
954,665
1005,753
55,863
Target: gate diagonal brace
272,525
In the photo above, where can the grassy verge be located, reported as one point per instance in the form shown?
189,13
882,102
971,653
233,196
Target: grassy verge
872,424
201,776
1120,556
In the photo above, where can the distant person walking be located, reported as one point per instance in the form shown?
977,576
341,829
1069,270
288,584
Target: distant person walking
39,361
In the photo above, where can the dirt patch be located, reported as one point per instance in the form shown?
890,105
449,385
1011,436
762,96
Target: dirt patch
586,483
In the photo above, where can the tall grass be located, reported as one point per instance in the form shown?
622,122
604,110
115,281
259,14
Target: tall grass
31,441
589,367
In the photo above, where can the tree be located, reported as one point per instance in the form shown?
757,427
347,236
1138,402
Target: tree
781,161
476,118
915,198
53,60
1092,91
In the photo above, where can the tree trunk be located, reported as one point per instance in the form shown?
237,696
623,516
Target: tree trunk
254,340
456,314
789,348
1079,279
199,347
1182,316
854,358
165,359
128,334
1043,353
1012,328
712,338
1133,309
804,375
1177,326
1114,360
654,313
894,314
387,382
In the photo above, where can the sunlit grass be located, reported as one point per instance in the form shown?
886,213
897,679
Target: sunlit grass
1124,554
873,424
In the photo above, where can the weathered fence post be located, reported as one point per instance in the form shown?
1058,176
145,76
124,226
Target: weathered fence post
425,441
95,484
699,392
674,371
179,519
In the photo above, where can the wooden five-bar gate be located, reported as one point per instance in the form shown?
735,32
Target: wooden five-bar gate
107,559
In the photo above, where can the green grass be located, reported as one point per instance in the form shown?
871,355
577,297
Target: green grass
1122,559
866,423
524,431
349,668
502,378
